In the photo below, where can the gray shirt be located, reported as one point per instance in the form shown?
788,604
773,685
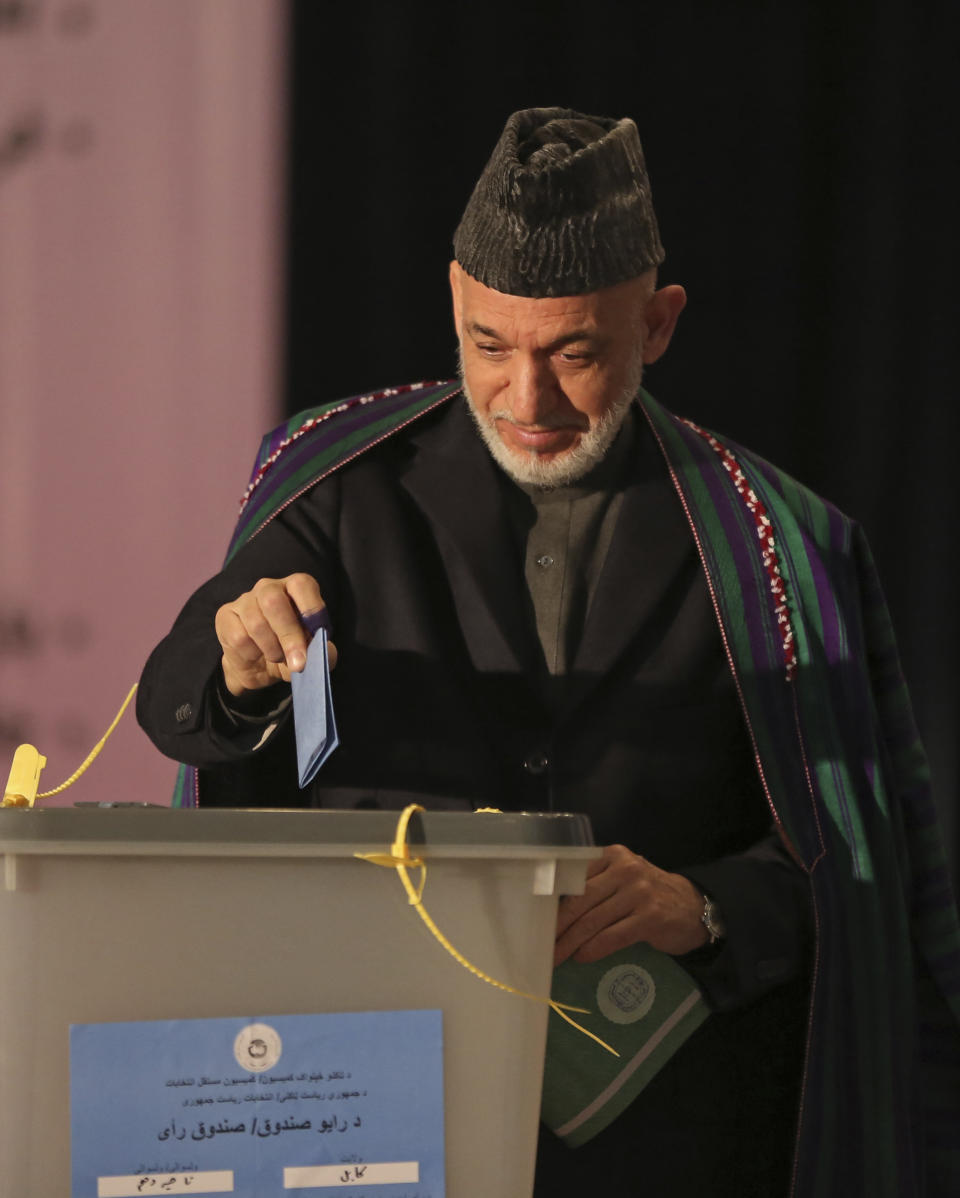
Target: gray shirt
566,532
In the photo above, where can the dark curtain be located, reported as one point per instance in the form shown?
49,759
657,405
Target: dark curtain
804,168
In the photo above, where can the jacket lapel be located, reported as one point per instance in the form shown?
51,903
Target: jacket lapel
454,481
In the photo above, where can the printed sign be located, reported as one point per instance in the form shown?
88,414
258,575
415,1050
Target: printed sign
259,1107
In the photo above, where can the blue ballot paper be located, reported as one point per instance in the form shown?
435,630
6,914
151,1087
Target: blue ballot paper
313,718
259,1107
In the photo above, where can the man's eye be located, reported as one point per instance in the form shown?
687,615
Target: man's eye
574,358
490,351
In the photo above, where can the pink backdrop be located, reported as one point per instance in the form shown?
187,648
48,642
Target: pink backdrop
139,318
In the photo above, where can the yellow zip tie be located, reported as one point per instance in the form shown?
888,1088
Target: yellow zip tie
94,752
399,859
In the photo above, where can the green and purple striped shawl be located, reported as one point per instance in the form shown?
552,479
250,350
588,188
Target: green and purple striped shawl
847,780
297,455
809,642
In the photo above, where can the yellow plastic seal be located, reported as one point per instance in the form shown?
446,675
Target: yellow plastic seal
28,762
399,859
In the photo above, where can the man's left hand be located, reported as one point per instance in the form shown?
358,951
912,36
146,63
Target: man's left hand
626,900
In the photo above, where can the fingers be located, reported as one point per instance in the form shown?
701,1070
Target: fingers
600,884
305,593
586,922
261,633
608,938
628,899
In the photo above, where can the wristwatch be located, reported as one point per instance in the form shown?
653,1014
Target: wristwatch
712,920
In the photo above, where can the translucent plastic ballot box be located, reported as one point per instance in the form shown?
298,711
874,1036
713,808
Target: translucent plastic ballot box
125,914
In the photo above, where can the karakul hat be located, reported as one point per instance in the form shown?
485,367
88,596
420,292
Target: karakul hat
563,207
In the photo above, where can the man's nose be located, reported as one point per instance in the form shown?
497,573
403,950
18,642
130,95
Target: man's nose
533,389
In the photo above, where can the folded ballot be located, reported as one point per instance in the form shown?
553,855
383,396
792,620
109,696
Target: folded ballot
313,719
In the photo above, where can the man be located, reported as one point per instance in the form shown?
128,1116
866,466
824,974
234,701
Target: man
595,606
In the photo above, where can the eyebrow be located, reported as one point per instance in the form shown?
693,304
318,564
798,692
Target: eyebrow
585,334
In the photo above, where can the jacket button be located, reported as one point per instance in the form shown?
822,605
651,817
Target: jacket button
183,713
536,762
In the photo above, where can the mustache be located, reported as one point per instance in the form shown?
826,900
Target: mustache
548,424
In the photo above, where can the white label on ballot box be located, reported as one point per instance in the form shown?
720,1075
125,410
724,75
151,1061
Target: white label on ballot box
218,1182
259,1107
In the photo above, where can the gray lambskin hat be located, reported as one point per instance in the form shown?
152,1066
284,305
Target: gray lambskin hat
563,207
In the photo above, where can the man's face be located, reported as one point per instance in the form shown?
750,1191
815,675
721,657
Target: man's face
550,380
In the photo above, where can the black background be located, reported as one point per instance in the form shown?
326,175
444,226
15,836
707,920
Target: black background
804,167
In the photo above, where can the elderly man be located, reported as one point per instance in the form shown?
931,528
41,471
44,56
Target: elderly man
595,606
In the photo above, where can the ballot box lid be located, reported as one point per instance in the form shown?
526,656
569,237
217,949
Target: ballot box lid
126,829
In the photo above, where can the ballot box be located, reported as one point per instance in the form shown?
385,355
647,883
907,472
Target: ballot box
153,917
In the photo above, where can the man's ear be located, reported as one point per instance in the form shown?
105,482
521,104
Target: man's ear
660,317
456,292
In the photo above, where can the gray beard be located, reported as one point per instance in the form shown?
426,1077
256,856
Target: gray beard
571,466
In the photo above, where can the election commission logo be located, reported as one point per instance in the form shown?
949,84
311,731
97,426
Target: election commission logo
626,993
257,1047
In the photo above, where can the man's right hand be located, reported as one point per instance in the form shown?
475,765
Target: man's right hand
261,635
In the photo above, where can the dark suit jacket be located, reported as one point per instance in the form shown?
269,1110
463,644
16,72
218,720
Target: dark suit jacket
438,693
